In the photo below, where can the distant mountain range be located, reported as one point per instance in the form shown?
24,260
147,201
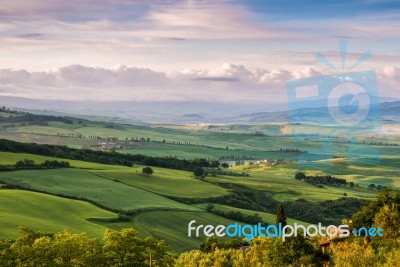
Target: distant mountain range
389,111
188,112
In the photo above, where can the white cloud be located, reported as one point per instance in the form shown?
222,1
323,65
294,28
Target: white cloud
389,81
229,82
82,76
256,76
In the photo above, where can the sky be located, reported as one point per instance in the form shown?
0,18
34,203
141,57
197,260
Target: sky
223,51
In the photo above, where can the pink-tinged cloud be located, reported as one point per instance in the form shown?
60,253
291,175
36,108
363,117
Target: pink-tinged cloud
258,76
389,81
207,20
229,82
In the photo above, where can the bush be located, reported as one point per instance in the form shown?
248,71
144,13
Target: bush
198,171
300,176
147,170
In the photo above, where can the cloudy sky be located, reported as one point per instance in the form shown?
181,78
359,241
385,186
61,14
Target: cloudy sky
228,50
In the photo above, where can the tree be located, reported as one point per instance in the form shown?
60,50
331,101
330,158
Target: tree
25,164
23,249
366,215
300,176
7,257
225,165
213,243
280,216
372,187
263,251
209,207
214,164
388,218
123,248
392,258
72,249
349,254
147,170
198,171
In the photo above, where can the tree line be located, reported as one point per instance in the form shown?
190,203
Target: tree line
104,157
29,164
321,179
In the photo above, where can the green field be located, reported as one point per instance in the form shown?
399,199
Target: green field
235,139
172,226
165,182
279,181
266,217
48,213
160,149
8,158
28,210
82,184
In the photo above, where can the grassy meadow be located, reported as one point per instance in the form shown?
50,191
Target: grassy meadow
165,182
43,212
82,184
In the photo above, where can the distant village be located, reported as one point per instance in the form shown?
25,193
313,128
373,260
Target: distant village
113,143
268,162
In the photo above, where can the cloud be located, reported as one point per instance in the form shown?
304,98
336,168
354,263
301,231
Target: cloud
30,35
166,34
120,76
231,72
132,77
206,20
82,76
216,79
66,10
175,39
122,20
106,22
228,82
389,81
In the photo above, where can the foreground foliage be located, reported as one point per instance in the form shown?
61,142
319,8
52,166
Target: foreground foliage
296,251
120,248
383,212
124,248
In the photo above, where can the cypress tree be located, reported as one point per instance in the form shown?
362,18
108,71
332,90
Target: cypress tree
280,216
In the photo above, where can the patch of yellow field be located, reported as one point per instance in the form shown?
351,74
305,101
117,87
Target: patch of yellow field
286,129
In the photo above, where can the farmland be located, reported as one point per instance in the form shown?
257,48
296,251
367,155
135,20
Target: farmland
165,182
81,184
92,196
44,212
